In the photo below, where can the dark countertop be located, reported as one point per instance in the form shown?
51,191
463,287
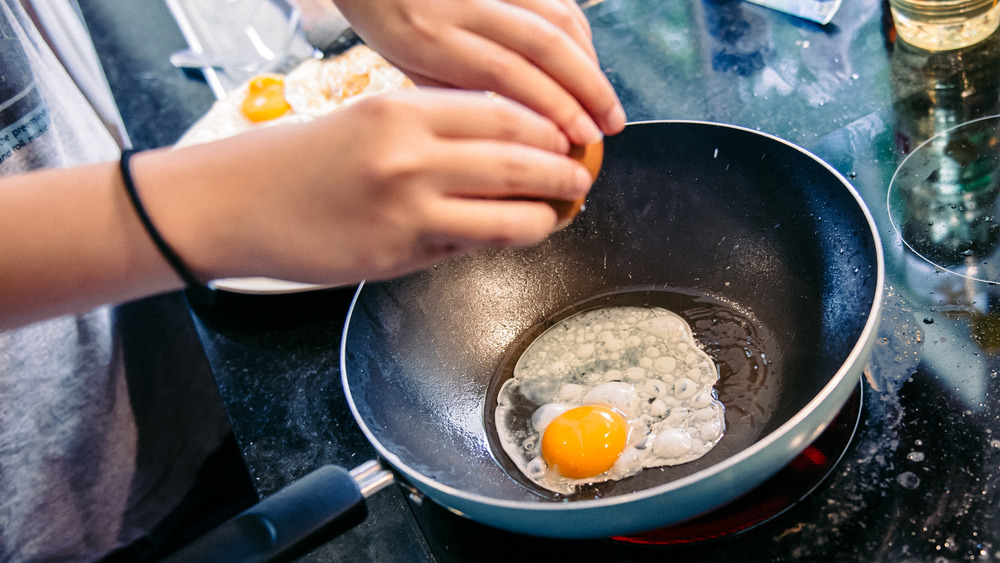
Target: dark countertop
920,480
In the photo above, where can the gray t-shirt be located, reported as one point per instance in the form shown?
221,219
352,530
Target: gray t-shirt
105,417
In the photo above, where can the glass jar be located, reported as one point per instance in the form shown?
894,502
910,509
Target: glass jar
942,25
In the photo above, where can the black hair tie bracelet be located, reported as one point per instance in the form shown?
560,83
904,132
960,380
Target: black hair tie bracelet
196,289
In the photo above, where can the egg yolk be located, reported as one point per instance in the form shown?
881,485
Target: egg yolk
584,441
266,99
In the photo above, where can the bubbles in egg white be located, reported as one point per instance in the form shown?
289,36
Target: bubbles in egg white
640,361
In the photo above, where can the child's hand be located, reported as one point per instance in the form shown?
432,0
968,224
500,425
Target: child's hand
384,187
536,52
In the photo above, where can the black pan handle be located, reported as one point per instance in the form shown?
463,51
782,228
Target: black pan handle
293,521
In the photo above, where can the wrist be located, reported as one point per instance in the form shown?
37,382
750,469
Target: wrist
173,192
198,288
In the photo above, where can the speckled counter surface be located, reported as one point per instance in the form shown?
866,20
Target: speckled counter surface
920,479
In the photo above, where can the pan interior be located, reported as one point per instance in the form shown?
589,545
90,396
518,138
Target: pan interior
738,344
682,211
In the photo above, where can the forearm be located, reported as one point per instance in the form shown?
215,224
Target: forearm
70,241
390,186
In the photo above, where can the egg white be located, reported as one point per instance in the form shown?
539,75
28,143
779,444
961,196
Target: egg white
643,362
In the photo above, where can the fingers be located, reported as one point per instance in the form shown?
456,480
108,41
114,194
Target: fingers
495,191
539,92
566,15
522,55
536,52
490,169
496,148
538,37
481,157
480,223
456,114
482,64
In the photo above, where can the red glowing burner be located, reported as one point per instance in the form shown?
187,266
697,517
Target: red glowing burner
774,496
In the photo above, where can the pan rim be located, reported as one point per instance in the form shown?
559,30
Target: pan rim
848,366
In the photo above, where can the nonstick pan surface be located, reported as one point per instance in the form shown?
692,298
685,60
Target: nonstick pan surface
769,253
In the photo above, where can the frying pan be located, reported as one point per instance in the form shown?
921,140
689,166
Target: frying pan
751,238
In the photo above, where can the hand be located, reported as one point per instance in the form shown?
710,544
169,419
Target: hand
386,186
536,52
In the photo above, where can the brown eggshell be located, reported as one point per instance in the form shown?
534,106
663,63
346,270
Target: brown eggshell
591,156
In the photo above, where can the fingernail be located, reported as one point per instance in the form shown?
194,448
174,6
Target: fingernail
582,181
615,119
585,131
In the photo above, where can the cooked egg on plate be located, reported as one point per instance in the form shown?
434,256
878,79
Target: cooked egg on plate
314,88
610,392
